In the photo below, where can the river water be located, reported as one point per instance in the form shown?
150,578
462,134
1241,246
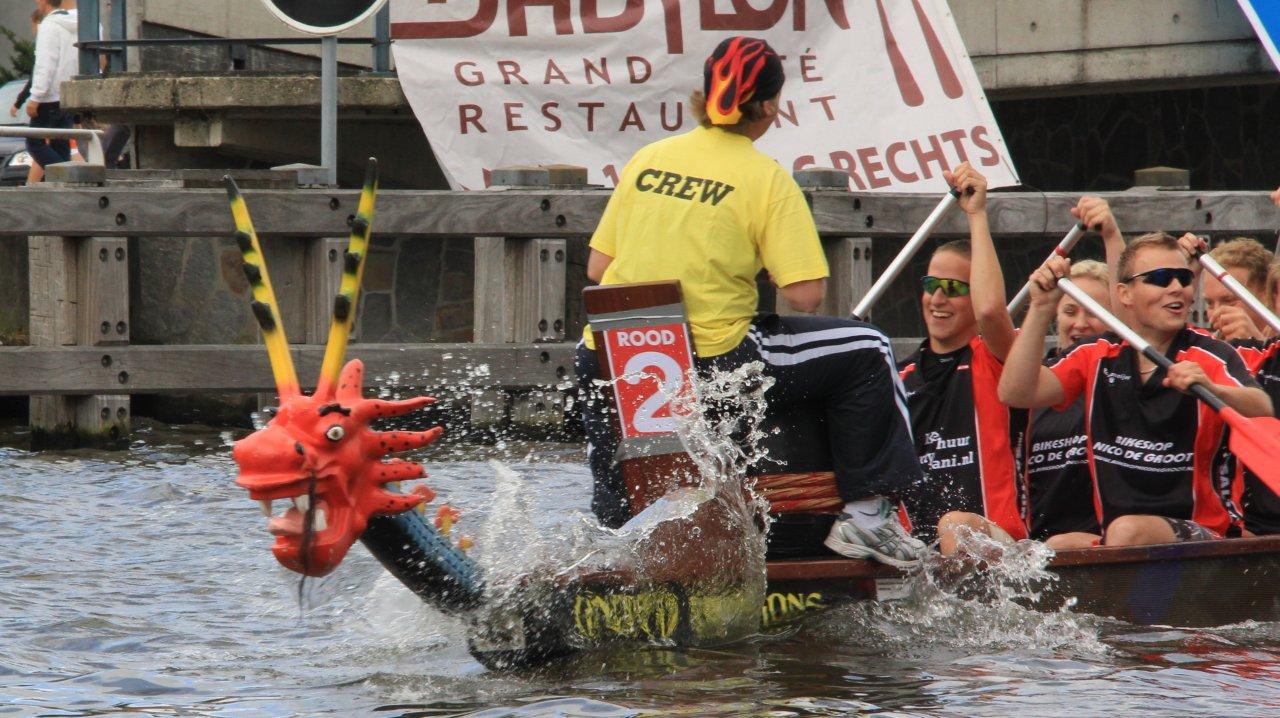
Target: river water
141,582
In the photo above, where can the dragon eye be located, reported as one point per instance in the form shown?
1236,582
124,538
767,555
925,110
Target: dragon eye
335,433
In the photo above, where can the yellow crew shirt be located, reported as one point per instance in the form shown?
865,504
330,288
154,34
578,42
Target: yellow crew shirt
709,209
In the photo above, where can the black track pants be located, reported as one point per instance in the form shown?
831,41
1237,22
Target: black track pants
841,367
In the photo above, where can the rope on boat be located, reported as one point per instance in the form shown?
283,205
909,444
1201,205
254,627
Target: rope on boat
811,492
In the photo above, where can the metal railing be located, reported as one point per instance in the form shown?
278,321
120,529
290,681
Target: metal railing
89,142
114,42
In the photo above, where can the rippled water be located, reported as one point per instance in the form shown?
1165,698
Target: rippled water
141,583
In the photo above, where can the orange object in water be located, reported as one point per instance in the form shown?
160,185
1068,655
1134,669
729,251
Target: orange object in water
320,452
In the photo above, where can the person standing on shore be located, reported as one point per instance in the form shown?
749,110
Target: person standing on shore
56,59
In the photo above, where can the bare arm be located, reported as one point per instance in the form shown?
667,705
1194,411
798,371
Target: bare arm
986,283
597,262
1025,382
1249,401
805,296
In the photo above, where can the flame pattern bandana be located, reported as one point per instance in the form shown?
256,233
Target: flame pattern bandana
740,68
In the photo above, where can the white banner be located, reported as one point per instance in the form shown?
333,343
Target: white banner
881,88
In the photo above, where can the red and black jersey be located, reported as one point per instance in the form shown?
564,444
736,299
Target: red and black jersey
1055,469
1261,505
1152,450
965,438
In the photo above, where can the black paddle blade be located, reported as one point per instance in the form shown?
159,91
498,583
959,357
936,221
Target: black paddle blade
1256,441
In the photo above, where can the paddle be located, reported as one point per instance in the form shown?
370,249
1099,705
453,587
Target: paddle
1254,440
908,251
1238,289
1063,249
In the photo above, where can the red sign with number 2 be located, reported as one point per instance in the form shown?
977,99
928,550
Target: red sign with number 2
650,364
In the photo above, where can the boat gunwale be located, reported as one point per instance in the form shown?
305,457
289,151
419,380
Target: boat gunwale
847,568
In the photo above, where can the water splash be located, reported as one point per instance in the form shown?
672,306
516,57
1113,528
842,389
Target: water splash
983,599
707,535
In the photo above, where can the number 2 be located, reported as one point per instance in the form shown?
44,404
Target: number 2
671,380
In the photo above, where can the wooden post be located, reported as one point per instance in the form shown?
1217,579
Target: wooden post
520,294
79,296
848,258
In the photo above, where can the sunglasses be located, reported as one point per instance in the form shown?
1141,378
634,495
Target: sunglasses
1164,276
949,287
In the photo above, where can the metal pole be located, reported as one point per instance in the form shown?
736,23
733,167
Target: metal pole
90,18
117,31
382,40
1238,289
900,262
329,108
1063,249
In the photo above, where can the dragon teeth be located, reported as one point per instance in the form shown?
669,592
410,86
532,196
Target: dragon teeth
266,507
303,503
320,523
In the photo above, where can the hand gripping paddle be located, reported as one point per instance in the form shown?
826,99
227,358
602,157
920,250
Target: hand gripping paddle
1062,250
1254,440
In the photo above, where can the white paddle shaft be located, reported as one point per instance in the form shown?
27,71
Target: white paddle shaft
908,251
1063,249
1238,289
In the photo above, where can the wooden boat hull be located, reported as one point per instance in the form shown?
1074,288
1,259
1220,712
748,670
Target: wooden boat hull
1200,584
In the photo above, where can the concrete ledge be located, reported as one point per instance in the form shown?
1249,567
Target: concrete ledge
132,97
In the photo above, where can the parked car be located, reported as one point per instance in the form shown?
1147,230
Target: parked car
10,147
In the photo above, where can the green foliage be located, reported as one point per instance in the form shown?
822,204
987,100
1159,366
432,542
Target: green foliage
21,60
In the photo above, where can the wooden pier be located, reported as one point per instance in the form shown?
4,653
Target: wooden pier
81,367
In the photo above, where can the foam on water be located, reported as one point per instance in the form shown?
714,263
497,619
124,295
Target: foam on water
983,599
710,510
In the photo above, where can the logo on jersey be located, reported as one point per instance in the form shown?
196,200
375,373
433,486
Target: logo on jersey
1115,376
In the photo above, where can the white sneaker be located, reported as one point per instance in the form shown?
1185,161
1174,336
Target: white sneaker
888,543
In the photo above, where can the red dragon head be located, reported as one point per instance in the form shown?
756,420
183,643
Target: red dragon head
320,456
319,453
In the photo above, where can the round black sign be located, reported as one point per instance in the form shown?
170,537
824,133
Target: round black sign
323,17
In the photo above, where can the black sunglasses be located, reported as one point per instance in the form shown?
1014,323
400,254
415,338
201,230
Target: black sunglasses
1164,276
949,287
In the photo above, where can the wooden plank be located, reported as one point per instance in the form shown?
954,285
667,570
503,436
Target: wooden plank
323,277
556,213
51,275
53,313
540,284
286,259
193,368
858,275
104,291
493,302
103,321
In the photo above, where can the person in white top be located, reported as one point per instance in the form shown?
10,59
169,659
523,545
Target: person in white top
56,60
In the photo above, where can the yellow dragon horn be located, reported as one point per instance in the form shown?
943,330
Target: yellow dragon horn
265,309
344,305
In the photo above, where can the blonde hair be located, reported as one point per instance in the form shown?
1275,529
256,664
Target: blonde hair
752,111
1246,253
1091,269
1159,240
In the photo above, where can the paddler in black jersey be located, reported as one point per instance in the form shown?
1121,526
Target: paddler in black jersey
964,435
1236,323
707,208
1055,460
1153,449
1060,508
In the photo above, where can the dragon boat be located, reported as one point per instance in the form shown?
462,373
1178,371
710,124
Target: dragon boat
320,454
